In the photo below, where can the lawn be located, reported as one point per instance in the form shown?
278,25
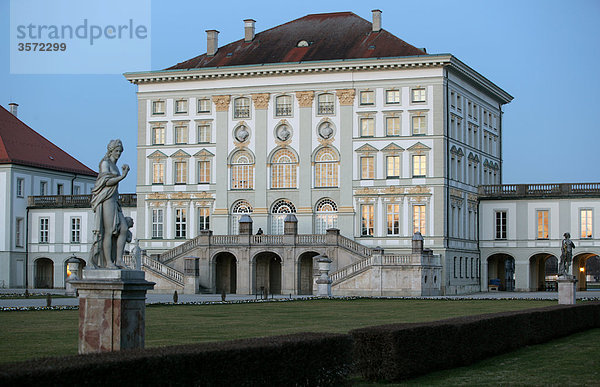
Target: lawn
29,334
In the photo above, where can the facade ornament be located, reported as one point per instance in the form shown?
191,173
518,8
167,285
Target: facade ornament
346,96
221,102
366,191
179,195
394,189
156,196
283,132
305,98
456,193
261,100
419,190
202,195
326,131
241,133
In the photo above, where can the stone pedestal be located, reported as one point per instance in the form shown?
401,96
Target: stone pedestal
567,288
112,309
324,282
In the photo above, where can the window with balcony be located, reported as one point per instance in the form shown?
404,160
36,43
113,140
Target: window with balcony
241,108
283,106
279,211
43,188
325,104
238,209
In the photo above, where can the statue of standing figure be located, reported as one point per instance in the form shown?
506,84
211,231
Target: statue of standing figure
110,225
566,255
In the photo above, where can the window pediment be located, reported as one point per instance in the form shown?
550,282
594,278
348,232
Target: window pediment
203,153
392,148
157,155
180,154
366,148
419,146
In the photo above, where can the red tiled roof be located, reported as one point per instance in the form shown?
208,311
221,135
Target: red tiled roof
340,35
19,144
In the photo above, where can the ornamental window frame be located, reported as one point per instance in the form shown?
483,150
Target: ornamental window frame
238,209
366,98
284,106
181,133
327,165
397,130
284,168
204,133
326,215
418,95
367,220
366,125
419,218
241,108
280,209
394,93
207,108
325,104
418,124
203,218
157,222
393,219
181,106
158,135
159,107
241,170
180,223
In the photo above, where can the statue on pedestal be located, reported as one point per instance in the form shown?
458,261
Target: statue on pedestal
110,225
566,255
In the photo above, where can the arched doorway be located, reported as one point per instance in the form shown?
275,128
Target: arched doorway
44,273
543,272
305,272
501,271
586,267
225,273
67,272
267,273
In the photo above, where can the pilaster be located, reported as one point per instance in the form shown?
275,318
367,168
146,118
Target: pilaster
304,210
346,205
261,109
219,218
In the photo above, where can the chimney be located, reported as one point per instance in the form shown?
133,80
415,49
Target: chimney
212,42
12,107
249,30
376,20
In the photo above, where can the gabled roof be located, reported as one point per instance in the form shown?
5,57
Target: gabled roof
19,144
330,36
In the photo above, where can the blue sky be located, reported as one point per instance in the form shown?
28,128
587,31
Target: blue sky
544,53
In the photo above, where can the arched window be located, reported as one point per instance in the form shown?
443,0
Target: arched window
238,209
241,108
326,104
325,216
283,169
242,170
326,168
279,211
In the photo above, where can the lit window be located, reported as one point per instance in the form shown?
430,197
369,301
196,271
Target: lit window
158,173
204,105
203,218
157,223
44,229
158,135
283,106
367,97
326,104
283,169
242,171
542,224
181,106
326,168
279,212
325,216
393,219
75,230
203,172
392,126
20,187
500,224
418,95
419,165
392,97
586,223
19,232
367,127
180,172
241,108
158,107
419,125
419,219
181,135
393,167
43,188
180,223
367,167
366,221
204,133
238,209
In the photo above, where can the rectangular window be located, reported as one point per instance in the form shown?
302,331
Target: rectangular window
419,219
181,106
75,230
500,224
392,126
585,217
367,127
158,135
203,172
283,106
367,167
60,189
76,190
203,219
419,165
542,224
418,95
241,108
157,224
19,232
181,135
419,125
367,97
180,172
158,173
367,220
326,104
393,219
43,188
203,105
393,167
180,223
204,133
20,187
392,97
158,107
44,229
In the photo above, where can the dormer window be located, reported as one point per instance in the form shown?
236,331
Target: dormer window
303,43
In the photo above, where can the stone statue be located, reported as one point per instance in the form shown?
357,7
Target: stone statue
283,133
242,134
325,131
110,226
566,255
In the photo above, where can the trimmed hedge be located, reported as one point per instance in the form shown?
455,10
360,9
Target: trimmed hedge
401,351
304,359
